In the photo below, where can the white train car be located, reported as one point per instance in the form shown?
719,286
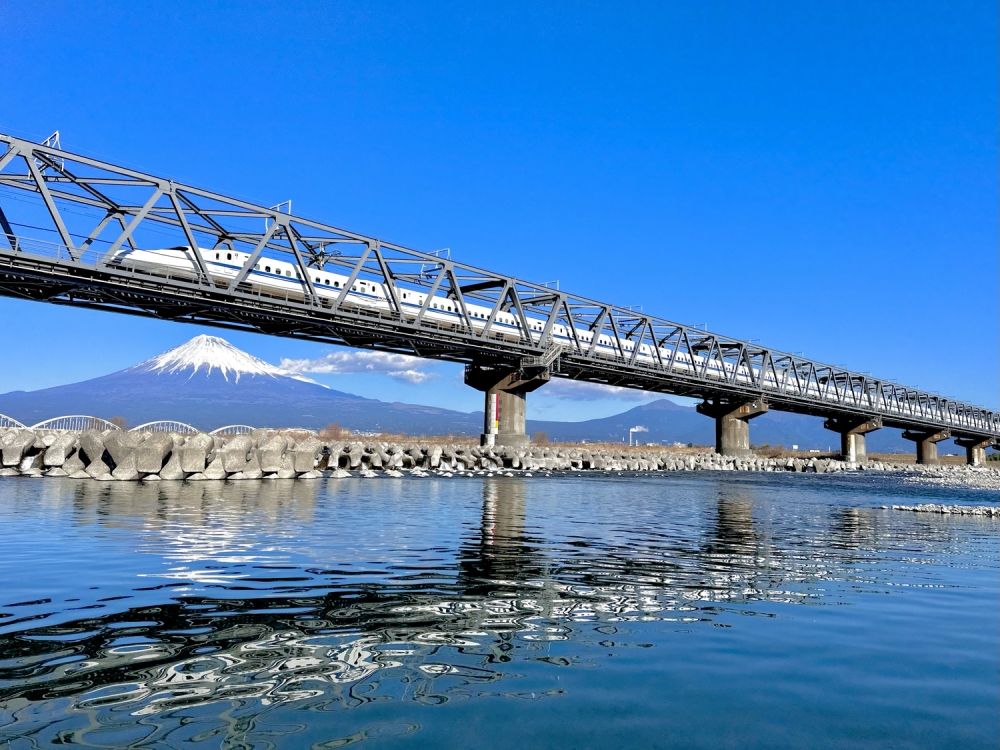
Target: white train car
284,278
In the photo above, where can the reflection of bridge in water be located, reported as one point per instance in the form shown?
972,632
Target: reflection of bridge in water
510,594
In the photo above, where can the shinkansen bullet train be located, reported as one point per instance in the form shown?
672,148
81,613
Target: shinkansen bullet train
284,278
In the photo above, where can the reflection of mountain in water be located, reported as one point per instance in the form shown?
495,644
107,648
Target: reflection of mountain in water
269,635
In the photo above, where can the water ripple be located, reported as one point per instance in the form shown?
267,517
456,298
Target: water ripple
259,612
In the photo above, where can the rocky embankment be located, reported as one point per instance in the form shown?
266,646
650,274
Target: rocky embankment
263,454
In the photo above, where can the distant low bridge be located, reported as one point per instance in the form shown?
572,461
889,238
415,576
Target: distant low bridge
66,217
81,422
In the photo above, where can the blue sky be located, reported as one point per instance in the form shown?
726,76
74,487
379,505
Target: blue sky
820,177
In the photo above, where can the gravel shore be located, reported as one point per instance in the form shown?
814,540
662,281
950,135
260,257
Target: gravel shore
116,455
958,510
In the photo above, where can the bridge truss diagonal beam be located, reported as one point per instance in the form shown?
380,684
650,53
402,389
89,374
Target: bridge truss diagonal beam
59,211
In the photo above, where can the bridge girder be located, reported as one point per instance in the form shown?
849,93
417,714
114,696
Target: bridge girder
80,211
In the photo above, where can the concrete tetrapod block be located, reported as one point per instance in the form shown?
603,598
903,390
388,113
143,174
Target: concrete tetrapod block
258,436
91,446
355,456
15,444
97,469
252,470
172,468
73,464
216,469
60,449
152,454
304,454
194,452
234,453
287,468
435,456
271,451
121,446
31,462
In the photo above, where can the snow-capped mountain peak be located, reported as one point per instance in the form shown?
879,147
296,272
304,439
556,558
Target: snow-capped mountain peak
210,353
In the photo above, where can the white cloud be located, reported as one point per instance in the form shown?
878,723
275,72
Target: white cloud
399,366
579,390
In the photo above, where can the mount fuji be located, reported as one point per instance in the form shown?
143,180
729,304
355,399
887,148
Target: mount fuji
207,382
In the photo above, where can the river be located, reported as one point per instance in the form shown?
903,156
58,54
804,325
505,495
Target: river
681,610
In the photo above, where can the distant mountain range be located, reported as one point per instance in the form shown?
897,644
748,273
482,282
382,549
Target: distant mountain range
668,422
208,383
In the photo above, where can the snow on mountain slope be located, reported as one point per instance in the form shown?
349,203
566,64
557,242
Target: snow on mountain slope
207,382
213,353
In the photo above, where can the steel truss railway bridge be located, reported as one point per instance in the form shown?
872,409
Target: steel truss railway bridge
64,218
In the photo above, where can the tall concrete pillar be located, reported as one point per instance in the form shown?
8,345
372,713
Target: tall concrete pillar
927,440
852,435
732,423
975,449
506,389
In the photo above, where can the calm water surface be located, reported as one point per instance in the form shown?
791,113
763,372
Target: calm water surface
682,610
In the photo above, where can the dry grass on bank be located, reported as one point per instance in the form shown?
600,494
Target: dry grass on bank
335,432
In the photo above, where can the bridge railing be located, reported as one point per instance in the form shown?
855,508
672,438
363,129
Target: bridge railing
166,425
75,423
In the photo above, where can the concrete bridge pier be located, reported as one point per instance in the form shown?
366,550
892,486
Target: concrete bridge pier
732,423
975,449
852,435
506,390
927,440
